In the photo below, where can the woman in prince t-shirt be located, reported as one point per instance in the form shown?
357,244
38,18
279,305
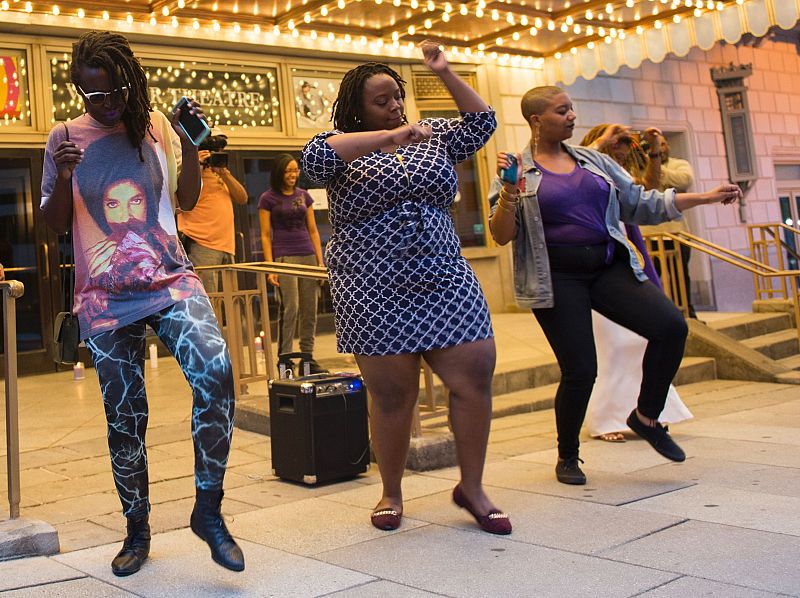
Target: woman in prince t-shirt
112,174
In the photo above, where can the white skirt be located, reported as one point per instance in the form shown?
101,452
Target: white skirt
619,377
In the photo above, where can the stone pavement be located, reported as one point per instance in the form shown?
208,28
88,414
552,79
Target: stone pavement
724,523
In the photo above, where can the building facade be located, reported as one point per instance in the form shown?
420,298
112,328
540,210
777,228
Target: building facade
272,100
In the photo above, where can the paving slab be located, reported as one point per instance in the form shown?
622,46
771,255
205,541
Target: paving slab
754,477
157,435
23,573
547,520
743,450
718,427
767,416
694,586
175,567
168,516
96,447
615,457
44,457
520,446
81,467
461,563
414,486
729,506
383,589
75,509
67,488
76,587
77,535
743,557
311,526
602,487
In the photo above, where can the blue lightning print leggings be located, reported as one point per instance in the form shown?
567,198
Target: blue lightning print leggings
189,330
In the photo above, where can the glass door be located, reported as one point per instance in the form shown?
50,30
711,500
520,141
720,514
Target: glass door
253,169
789,201
29,253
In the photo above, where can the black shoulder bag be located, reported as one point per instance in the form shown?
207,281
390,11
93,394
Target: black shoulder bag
66,333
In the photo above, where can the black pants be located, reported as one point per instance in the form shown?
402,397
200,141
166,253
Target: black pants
582,281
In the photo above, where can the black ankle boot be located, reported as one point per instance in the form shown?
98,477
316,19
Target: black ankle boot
207,523
135,548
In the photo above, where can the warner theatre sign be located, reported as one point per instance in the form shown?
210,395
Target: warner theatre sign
231,96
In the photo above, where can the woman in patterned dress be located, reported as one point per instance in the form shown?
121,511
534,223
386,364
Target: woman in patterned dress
401,289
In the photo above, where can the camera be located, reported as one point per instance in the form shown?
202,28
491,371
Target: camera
215,143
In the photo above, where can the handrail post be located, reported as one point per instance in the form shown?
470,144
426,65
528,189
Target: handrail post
11,290
233,337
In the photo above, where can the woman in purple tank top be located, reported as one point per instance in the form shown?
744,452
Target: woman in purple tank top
562,207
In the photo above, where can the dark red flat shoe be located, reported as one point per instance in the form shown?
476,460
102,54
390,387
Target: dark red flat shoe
386,519
494,522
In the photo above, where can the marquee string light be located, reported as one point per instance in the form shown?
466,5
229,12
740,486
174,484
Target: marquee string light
412,21
566,40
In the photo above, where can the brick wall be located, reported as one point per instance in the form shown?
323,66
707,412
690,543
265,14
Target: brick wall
678,96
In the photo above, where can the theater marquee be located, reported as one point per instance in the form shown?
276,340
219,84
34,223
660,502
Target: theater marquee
230,96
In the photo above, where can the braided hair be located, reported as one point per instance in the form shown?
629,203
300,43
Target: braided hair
112,52
635,160
348,105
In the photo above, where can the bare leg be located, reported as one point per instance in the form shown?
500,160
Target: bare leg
393,385
467,371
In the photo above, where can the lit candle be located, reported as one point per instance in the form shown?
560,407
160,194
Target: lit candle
78,371
153,356
259,345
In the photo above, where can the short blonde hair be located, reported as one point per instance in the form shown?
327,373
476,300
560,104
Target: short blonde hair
535,100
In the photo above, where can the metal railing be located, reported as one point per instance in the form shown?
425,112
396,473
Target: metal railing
769,281
12,290
244,317
766,245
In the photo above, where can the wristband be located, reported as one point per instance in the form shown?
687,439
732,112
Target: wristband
509,206
506,195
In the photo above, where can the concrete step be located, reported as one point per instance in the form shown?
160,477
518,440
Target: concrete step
792,362
538,398
775,345
696,369
746,326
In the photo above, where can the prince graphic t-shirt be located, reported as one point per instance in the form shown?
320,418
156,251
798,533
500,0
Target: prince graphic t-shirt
128,261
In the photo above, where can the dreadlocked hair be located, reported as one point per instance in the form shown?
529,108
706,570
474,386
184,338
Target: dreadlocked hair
635,161
112,52
347,107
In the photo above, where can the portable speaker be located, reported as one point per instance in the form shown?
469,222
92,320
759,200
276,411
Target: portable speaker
318,427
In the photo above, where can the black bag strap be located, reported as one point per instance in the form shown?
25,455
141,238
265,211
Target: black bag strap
68,282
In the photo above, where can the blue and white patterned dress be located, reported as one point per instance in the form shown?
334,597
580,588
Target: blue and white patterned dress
398,281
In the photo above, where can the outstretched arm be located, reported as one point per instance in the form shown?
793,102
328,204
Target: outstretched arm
725,194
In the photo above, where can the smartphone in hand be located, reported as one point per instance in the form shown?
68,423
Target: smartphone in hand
195,127
509,175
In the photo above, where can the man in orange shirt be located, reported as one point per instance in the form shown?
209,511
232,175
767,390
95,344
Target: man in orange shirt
208,230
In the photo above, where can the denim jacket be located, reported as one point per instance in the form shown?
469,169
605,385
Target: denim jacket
627,201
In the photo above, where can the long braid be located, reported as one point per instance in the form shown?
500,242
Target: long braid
112,52
347,107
